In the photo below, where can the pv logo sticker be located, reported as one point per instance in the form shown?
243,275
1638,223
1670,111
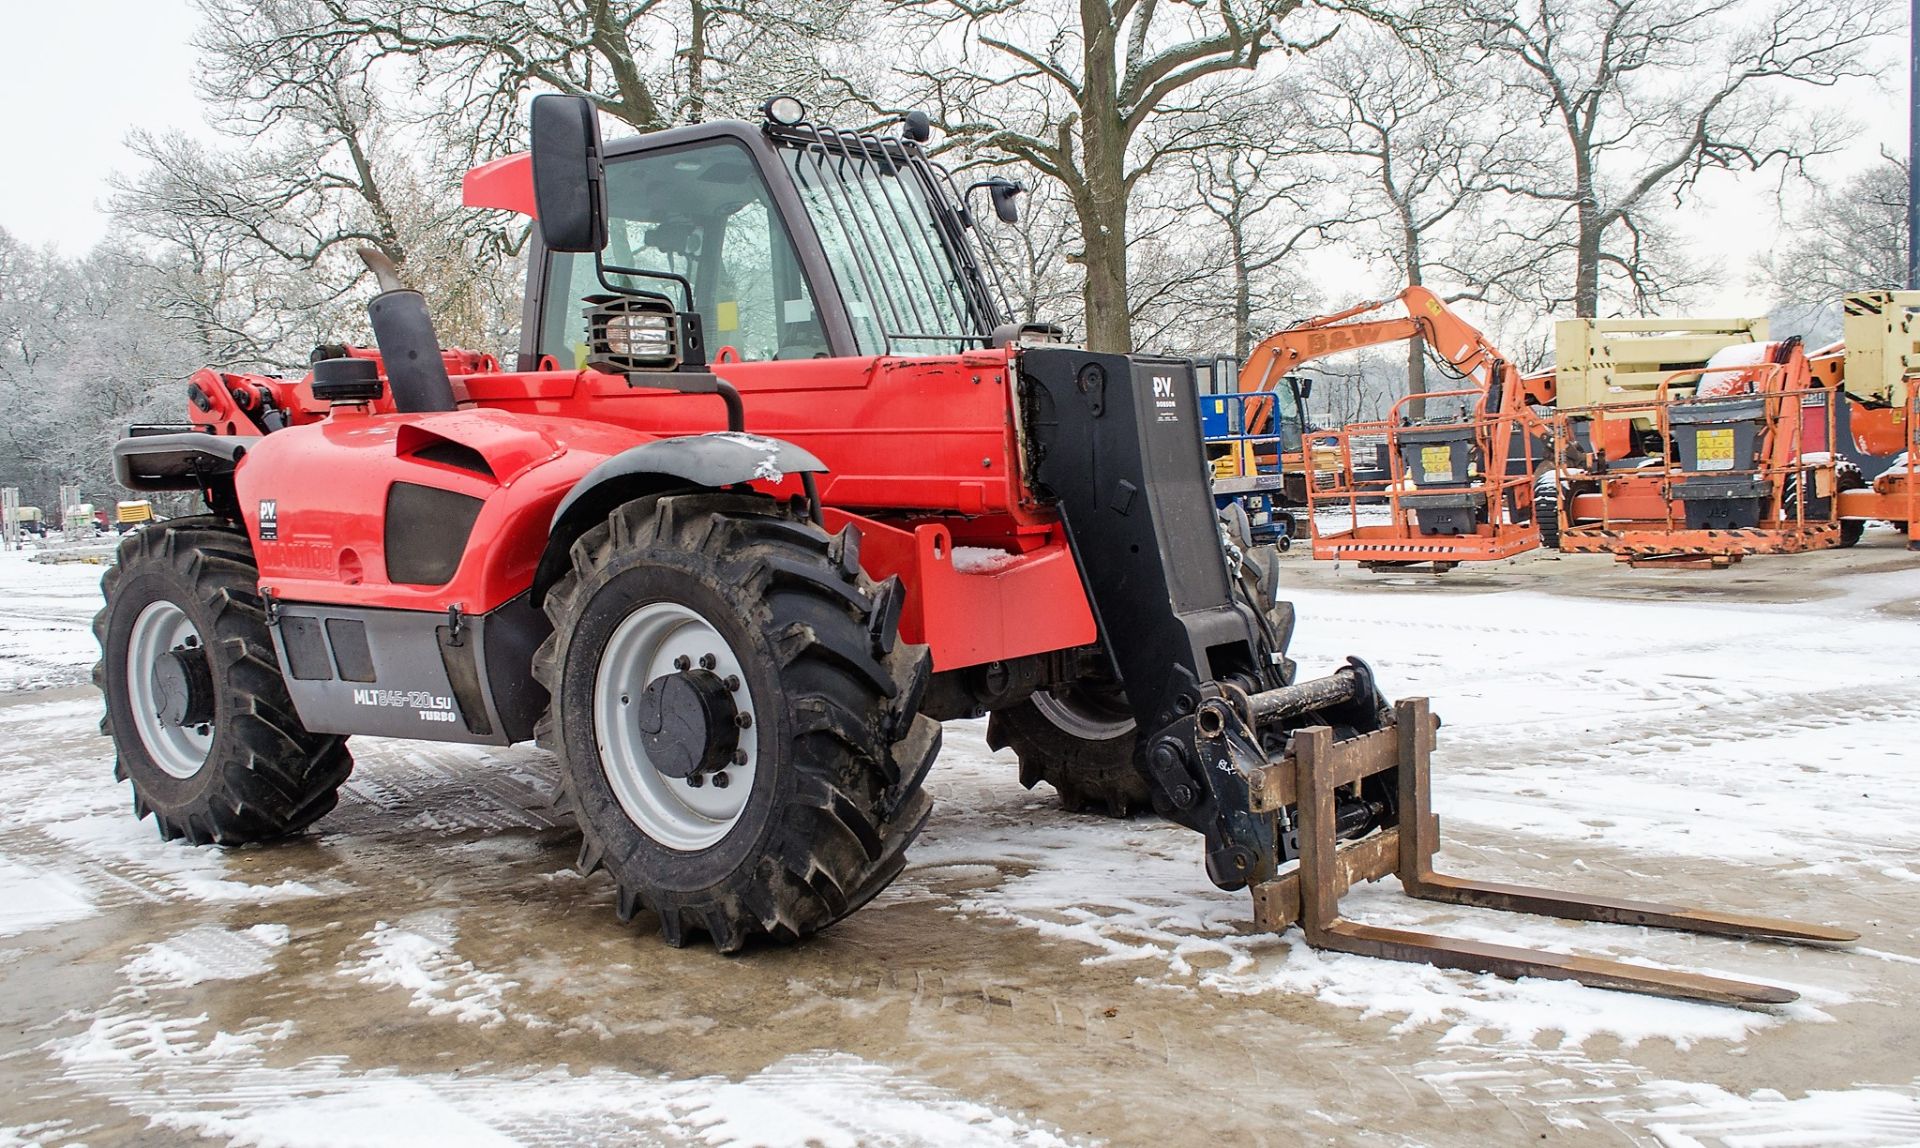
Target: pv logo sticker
269,520
1165,409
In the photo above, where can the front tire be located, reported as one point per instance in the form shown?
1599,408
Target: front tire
200,717
692,612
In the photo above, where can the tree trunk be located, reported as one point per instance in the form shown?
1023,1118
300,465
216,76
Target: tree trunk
697,61
1416,346
1586,275
1586,280
1101,203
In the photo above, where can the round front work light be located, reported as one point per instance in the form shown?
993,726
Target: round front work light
784,110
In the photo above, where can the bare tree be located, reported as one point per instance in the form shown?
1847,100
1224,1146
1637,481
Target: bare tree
1032,259
646,63
1098,96
1848,239
1264,202
1640,98
255,244
1431,147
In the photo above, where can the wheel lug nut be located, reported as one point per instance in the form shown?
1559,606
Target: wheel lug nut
739,757
203,730
683,663
696,780
720,780
733,682
708,661
192,641
625,700
743,720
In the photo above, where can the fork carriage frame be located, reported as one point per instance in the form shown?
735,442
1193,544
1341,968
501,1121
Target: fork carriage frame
1317,766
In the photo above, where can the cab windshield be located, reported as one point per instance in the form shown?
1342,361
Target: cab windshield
698,225
898,246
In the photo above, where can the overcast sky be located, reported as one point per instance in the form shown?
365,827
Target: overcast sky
100,68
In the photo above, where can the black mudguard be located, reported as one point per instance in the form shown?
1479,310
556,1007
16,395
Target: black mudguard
710,461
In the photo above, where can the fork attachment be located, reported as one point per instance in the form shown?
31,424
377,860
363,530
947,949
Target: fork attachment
1316,766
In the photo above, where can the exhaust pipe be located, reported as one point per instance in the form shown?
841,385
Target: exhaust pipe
403,330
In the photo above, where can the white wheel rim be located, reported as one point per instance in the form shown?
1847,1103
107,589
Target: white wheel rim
672,811
1076,718
179,751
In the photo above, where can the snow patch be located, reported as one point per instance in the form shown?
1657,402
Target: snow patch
220,1084
46,635
767,469
207,953
32,898
981,559
419,956
1703,1114
171,868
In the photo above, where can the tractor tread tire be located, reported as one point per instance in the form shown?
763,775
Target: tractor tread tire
1099,776
844,749
267,776
1089,776
1546,511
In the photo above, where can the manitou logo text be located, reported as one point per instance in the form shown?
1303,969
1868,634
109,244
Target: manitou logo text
430,707
1165,409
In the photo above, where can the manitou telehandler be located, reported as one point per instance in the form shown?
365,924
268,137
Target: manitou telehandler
772,491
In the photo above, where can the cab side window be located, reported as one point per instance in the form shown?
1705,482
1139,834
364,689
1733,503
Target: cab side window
700,218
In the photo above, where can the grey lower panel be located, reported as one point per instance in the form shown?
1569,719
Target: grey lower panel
430,680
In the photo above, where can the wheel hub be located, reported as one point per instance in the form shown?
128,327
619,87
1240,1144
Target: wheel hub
170,689
688,723
676,725
183,687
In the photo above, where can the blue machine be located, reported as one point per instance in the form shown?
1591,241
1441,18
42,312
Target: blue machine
1249,470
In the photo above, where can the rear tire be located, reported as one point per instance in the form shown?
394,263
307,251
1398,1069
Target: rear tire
1546,511
184,633
1079,740
829,769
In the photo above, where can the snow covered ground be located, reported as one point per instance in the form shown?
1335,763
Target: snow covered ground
426,968
45,615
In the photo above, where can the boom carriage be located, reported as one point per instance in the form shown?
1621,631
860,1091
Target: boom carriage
736,592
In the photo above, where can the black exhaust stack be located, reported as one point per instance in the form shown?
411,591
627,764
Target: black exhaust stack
410,350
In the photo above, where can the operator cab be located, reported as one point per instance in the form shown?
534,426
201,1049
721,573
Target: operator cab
786,241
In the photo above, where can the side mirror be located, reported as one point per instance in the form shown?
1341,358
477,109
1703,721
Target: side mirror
569,191
1003,192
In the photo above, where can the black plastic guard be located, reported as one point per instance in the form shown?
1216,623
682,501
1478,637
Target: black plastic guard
1115,442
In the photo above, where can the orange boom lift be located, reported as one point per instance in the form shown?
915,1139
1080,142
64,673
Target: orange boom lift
1455,488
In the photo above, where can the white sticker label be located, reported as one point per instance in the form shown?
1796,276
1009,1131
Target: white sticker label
1166,408
430,706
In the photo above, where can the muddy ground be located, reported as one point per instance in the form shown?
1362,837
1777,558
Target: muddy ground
426,967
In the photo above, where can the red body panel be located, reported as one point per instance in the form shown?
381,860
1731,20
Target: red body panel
920,452
329,481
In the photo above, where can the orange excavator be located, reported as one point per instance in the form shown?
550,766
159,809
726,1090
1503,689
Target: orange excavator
1410,490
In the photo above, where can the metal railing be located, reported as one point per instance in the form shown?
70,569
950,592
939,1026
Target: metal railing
1613,507
1495,483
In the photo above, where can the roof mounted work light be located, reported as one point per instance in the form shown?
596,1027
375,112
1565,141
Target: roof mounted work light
784,110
